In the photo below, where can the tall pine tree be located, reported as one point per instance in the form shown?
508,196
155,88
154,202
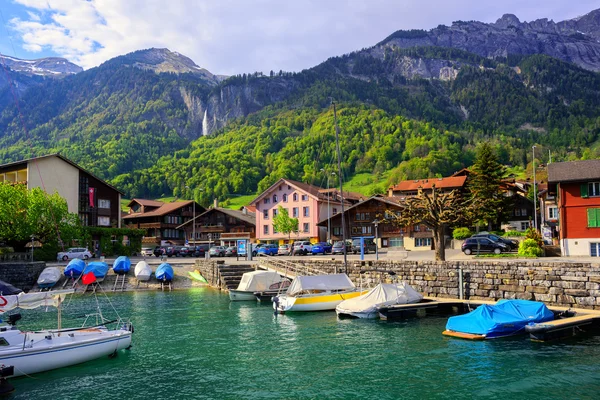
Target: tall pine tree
488,199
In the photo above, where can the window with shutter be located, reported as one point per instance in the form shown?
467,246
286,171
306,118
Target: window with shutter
584,190
593,215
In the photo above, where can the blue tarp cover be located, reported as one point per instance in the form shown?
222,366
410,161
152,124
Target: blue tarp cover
164,272
75,267
505,318
122,265
99,268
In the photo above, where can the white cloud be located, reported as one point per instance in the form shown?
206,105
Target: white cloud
235,36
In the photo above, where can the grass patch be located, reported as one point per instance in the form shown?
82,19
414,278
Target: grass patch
234,203
367,184
124,203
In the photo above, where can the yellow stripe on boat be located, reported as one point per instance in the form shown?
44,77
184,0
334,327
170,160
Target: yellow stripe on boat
327,298
462,335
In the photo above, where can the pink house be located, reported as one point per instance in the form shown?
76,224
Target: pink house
310,204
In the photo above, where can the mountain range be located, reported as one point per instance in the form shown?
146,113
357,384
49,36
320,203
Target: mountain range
155,113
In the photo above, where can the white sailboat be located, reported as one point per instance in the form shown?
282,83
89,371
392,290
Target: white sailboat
25,353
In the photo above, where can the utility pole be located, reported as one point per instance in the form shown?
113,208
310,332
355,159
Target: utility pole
339,162
193,218
534,190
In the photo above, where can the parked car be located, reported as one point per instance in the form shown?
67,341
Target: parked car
159,251
199,250
255,248
369,246
284,250
482,244
181,251
74,252
302,248
338,248
217,251
513,244
268,250
231,251
147,251
321,248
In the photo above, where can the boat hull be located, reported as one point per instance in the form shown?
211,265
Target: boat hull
312,302
241,295
64,351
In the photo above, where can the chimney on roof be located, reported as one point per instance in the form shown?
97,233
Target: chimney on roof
244,211
215,203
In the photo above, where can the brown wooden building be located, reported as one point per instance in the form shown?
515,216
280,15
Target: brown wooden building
371,219
161,220
221,226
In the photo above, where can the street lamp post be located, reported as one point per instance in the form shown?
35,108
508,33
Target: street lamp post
193,217
534,190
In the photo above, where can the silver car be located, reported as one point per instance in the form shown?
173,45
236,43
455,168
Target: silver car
74,252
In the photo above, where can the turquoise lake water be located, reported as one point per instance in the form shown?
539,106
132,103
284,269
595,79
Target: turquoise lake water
196,344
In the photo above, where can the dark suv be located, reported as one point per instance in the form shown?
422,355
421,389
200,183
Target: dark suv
199,250
181,251
369,246
158,251
483,244
512,244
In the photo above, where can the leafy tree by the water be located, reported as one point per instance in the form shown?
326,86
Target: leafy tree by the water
283,223
25,213
436,210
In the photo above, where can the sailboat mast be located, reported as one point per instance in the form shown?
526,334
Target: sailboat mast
339,162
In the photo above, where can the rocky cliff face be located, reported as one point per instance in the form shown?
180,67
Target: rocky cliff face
575,41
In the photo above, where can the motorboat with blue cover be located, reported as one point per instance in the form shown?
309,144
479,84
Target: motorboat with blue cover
122,265
99,268
164,272
505,318
74,268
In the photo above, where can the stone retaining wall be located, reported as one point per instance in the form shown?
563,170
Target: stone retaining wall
21,274
555,283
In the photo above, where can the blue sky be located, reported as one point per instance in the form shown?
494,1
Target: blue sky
236,36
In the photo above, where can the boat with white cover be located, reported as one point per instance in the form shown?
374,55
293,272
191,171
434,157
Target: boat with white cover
49,277
23,352
142,271
255,281
384,294
316,293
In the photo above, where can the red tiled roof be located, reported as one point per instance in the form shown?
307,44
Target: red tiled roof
162,210
440,183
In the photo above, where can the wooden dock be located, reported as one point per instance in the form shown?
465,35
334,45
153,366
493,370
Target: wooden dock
570,321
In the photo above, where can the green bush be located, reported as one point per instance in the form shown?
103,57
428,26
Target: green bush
6,250
46,253
530,248
535,235
513,233
461,233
